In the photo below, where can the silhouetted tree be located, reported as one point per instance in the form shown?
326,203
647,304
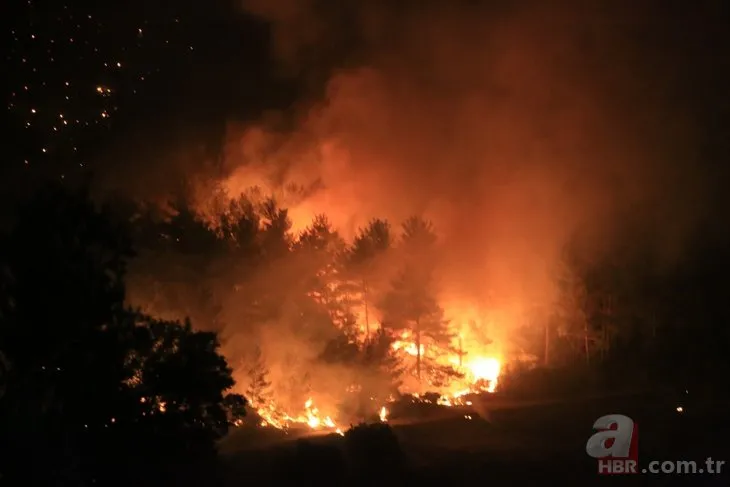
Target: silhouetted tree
100,393
370,243
320,236
173,275
341,349
410,306
319,254
418,236
572,305
382,365
240,225
248,274
275,237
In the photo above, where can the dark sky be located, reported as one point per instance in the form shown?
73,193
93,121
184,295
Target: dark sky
81,77
123,77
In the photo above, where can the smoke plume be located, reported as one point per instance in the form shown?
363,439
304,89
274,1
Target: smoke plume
511,125
515,127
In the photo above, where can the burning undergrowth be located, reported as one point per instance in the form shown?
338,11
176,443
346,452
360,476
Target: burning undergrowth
321,331
376,382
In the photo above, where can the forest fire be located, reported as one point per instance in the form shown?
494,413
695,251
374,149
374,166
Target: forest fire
484,373
486,369
311,417
453,233
329,330
479,374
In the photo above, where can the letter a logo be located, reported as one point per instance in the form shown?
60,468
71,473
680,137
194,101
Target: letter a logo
616,438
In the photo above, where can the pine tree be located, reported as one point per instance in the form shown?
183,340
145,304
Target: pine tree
384,364
410,306
571,306
172,276
259,388
319,252
371,243
275,236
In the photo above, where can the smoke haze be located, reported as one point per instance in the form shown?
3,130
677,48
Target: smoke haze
510,127
516,127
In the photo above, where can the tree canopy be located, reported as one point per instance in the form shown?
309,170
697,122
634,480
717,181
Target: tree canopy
94,391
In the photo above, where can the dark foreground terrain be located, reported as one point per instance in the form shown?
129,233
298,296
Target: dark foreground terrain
511,443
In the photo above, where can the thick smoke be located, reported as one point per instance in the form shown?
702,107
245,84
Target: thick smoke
511,126
516,127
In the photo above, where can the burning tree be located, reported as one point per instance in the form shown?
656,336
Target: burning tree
411,309
259,387
384,366
370,243
320,250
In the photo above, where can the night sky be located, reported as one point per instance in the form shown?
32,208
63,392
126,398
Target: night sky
82,79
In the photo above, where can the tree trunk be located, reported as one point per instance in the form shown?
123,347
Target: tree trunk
418,350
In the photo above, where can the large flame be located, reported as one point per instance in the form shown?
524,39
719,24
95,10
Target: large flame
310,416
477,373
487,369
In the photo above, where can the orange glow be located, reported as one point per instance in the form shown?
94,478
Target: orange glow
499,127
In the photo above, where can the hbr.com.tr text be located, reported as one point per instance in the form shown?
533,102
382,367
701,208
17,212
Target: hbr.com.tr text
679,467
